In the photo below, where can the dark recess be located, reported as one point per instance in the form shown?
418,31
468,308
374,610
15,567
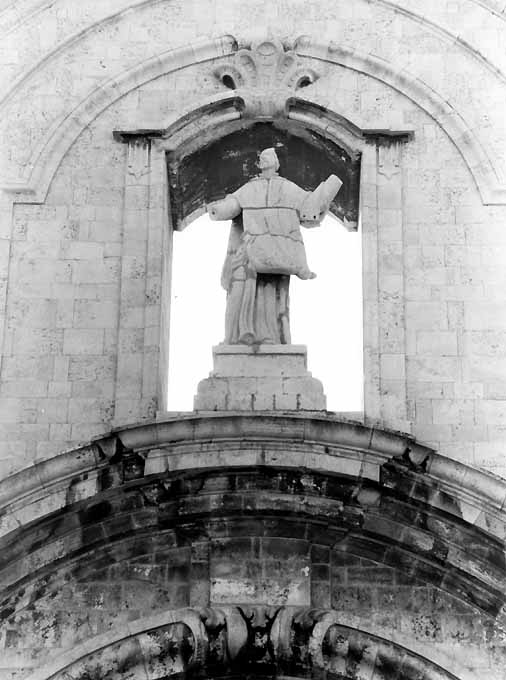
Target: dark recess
222,166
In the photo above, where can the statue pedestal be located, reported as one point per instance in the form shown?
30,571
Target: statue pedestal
261,378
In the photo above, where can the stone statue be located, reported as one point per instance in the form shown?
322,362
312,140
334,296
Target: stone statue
265,248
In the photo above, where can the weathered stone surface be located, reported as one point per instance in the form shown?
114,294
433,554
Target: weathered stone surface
130,543
405,102
431,215
255,640
260,378
265,248
256,510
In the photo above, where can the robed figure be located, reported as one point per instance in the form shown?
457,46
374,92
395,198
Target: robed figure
265,248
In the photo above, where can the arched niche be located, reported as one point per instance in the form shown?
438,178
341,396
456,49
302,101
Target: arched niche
200,174
212,150
207,163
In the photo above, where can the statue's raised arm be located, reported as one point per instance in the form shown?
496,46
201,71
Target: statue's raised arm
265,248
317,202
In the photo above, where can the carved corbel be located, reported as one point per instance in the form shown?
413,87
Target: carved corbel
216,636
240,636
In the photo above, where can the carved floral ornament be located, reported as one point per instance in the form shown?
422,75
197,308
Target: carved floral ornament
244,640
265,76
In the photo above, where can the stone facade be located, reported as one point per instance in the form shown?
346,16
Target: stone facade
362,550
81,243
294,518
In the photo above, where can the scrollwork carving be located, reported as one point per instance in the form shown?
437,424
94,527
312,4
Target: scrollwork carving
265,76
299,642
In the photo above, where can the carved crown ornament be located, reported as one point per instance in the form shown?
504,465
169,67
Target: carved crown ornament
265,76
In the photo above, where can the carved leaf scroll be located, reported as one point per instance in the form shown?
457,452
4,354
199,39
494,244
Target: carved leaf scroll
265,76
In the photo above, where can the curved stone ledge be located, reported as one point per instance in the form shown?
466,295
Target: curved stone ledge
277,510
385,521
156,443
376,466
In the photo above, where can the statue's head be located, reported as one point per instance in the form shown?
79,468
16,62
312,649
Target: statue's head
268,160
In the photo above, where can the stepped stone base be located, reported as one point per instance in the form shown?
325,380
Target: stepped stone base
261,378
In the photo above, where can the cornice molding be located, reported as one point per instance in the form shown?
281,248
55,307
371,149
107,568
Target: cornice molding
174,443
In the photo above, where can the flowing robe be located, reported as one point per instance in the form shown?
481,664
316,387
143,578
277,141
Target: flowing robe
266,247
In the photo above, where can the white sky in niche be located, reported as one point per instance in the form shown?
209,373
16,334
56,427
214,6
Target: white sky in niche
325,313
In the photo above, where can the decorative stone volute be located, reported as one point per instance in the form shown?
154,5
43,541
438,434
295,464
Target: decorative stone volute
265,76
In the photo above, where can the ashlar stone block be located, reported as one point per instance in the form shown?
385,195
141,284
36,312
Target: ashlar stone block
265,361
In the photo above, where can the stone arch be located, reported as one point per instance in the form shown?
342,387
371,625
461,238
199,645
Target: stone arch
446,34
168,643
46,158
479,163
48,155
326,143
219,483
295,643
